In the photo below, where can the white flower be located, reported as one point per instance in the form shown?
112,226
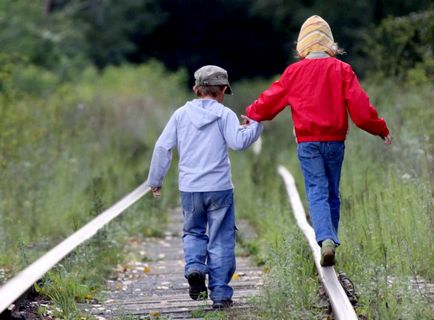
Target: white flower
406,177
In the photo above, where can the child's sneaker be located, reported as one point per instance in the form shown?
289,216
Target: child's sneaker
327,253
223,304
198,290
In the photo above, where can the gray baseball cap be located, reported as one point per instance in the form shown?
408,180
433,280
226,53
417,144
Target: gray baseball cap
212,76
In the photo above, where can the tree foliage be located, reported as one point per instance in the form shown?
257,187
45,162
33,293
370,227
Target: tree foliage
54,42
248,37
403,47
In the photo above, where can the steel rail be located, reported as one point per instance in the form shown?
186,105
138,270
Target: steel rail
342,308
17,286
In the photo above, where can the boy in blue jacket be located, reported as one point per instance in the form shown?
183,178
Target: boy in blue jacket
203,130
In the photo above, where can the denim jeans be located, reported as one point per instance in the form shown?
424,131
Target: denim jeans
321,164
211,252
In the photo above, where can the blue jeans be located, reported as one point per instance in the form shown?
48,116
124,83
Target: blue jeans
321,164
211,252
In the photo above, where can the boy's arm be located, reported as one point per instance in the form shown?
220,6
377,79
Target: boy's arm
162,156
240,137
270,102
361,111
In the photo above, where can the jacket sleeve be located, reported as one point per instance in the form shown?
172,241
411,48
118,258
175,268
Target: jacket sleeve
240,137
270,102
162,155
361,111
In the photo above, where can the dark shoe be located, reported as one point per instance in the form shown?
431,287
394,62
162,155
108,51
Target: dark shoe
222,304
349,288
198,290
327,253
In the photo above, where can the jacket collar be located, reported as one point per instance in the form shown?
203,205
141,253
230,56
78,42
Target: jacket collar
317,55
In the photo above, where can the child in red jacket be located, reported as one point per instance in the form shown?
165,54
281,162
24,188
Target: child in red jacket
320,90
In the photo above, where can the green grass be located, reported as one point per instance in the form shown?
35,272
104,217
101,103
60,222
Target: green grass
387,214
68,155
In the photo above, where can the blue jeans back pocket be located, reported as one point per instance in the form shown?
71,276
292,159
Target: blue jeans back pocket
220,199
187,201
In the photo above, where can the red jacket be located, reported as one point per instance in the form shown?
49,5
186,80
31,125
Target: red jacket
319,91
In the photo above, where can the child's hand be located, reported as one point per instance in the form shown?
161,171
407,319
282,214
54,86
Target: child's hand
246,120
387,139
156,192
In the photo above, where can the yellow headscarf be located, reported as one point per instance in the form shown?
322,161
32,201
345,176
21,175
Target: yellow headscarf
316,35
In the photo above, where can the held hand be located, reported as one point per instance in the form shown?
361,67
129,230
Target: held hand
246,120
387,139
156,192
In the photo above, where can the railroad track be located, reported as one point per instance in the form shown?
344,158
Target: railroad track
157,287
23,281
341,305
17,286
173,303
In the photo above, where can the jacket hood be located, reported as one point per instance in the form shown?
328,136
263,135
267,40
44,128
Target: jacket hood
203,111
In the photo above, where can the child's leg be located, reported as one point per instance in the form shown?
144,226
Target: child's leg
311,156
334,156
221,246
195,240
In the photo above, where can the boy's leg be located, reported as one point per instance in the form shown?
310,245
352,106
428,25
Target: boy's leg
221,246
334,156
312,164
195,240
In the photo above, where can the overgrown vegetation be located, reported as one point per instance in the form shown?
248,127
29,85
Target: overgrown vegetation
386,192
402,47
67,156
74,139
387,212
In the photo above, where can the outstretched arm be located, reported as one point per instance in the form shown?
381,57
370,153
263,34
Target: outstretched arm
162,157
270,102
361,111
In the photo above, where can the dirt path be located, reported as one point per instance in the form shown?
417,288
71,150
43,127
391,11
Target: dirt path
156,288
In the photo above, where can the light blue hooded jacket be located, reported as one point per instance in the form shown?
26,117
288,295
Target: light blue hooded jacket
202,129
